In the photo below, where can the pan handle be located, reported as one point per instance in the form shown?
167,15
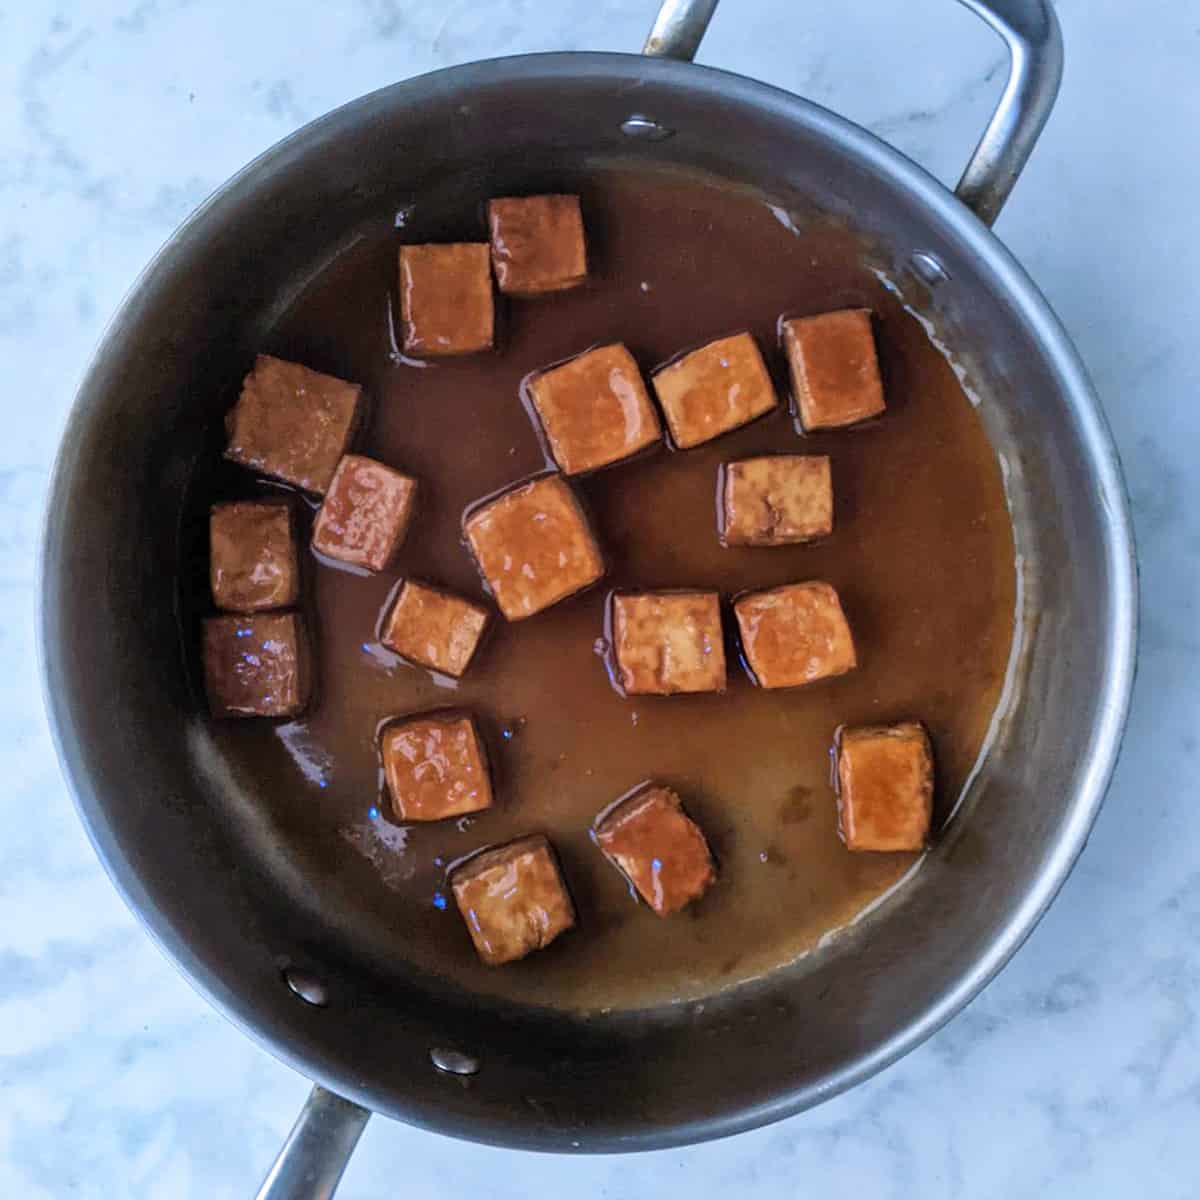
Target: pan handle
1031,31
312,1160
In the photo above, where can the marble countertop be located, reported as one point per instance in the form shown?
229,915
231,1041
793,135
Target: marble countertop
1078,1071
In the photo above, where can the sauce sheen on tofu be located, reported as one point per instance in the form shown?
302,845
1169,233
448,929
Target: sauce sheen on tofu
666,642
254,562
434,767
292,423
594,410
538,243
661,851
714,389
920,556
534,546
365,514
513,899
433,628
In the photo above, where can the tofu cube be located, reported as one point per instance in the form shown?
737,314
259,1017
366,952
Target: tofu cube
253,562
446,299
366,513
533,546
657,847
884,786
776,500
795,634
714,389
292,423
667,642
537,244
257,665
434,629
834,369
594,410
513,899
435,767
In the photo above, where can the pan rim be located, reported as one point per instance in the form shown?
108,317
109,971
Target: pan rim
1119,645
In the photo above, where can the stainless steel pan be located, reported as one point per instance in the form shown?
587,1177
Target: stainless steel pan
199,869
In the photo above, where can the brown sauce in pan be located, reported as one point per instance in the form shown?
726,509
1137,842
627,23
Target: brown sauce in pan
921,555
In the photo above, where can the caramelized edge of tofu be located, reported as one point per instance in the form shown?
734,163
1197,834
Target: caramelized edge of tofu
797,384
534,407
230,424
448,716
724,474
413,494
392,603
675,360
464,869
612,811
477,507
744,653
500,267
293,536
612,657
306,670
423,351
910,730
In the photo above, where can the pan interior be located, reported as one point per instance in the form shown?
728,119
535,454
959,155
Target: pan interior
922,558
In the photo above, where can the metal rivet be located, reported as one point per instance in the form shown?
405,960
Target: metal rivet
928,268
643,127
307,986
454,1062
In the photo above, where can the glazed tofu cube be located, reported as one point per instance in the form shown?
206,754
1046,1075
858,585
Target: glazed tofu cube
435,767
657,847
594,410
795,634
714,389
446,299
366,513
292,423
513,899
433,628
668,642
253,563
834,370
537,243
776,500
533,546
884,786
257,665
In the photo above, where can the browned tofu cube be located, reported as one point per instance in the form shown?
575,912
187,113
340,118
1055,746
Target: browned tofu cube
258,665
435,767
365,514
657,847
795,634
434,629
253,563
885,786
533,546
292,423
594,409
537,243
714,389
776,500
513,899
667,642
835,374
446,299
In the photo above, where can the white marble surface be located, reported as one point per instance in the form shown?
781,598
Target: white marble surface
1078,1071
